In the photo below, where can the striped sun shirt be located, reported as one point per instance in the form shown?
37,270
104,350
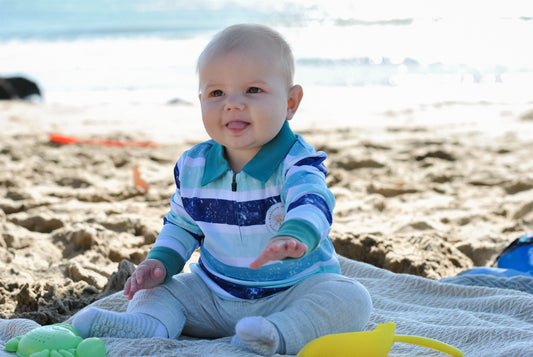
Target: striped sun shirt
280,192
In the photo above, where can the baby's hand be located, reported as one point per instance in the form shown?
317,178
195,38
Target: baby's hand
280,248
148,274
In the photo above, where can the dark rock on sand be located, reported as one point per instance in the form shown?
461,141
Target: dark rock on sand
18,88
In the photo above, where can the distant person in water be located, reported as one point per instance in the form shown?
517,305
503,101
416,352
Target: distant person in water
255,200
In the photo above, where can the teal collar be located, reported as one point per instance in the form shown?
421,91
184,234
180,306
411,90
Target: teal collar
261,166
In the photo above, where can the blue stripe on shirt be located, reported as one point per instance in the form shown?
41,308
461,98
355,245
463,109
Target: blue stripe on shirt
241,291
224,211
316,162
198,237
314,200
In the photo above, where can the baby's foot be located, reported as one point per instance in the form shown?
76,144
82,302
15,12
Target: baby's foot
94,322
257,334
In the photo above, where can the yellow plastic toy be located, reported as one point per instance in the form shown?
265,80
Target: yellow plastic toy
375,343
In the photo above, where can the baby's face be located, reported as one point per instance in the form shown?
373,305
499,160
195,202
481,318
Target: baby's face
244,97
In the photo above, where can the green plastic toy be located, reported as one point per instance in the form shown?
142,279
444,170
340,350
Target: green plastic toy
375,343
59,340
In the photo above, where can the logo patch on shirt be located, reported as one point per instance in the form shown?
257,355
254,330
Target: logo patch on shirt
275,217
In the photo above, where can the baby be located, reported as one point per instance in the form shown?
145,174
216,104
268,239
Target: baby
254,200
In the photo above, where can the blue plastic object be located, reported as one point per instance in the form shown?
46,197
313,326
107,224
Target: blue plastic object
518,255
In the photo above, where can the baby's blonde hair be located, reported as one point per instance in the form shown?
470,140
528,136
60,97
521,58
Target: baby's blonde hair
245,36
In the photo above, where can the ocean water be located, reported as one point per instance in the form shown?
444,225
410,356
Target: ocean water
104,51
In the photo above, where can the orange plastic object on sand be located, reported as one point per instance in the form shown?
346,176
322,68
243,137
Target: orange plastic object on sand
375,343
66,139
138,181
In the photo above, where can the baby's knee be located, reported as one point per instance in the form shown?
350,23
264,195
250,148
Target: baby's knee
361,299
359,293
353,303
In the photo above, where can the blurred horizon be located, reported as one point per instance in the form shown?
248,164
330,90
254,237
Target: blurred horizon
146,50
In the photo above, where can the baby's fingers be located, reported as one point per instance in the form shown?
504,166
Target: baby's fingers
273,252
261,260
157,275
130,287
127,287
297,250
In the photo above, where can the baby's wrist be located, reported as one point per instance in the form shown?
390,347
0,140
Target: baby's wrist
286,239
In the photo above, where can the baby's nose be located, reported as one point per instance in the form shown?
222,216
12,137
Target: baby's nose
234,102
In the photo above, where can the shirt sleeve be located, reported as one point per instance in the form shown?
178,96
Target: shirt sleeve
180,235
308,201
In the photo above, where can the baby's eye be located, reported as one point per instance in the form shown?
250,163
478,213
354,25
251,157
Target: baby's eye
217,93
254,90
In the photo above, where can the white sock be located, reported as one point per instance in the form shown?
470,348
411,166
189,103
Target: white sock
94,322
257,334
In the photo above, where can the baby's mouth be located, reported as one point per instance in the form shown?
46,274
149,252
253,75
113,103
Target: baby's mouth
237,125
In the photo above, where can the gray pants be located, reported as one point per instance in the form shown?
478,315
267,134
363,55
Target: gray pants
320,305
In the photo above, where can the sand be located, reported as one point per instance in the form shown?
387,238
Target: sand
430,190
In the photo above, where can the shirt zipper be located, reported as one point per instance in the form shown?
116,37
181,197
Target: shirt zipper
236,212
234,183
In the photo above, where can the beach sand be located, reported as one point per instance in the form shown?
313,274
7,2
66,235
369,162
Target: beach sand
429,190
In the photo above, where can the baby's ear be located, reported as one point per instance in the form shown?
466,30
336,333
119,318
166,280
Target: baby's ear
296,94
